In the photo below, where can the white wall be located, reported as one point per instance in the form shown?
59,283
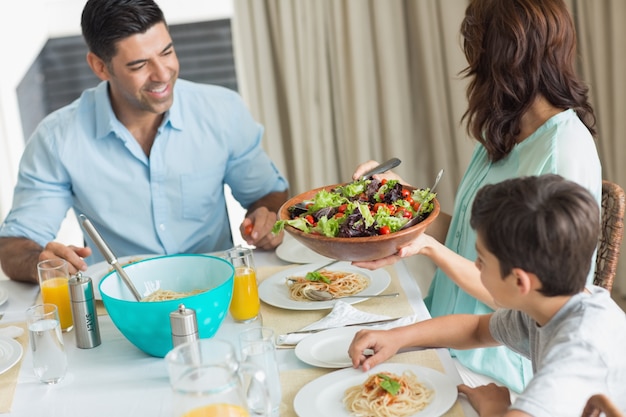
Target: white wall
25,26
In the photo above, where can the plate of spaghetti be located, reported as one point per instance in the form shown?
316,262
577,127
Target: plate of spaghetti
389,389
97,271
284,289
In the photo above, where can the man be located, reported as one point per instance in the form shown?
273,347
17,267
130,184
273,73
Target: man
144,161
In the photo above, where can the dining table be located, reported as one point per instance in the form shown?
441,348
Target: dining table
117,379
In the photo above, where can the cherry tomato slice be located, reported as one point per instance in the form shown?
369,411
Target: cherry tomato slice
385,230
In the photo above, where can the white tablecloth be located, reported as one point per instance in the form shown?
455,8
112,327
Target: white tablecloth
116,379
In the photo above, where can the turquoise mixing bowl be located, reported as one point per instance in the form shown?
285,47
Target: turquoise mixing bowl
147,324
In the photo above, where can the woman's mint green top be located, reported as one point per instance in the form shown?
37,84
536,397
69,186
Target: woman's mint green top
563,146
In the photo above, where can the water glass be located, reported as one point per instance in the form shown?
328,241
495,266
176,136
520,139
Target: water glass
245,304
208,380
46,342
258,347
53,281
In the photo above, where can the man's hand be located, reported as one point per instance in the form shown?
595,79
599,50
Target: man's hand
19,257
72,254
256,229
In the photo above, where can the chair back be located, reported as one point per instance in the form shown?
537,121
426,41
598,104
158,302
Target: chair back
611,234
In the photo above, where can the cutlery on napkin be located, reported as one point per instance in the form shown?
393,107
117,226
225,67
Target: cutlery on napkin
343,314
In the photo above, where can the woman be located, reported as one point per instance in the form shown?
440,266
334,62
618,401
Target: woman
530,114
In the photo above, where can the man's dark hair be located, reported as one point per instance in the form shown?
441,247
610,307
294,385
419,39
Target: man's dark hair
105,22
545,225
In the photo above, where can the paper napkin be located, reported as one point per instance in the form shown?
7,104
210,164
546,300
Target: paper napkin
341,315
11,332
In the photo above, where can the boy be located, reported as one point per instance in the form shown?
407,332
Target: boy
535,238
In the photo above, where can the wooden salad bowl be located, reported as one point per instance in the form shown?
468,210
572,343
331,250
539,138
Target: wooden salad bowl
355,248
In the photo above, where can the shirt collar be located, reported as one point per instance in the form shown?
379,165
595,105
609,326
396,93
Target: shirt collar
107,122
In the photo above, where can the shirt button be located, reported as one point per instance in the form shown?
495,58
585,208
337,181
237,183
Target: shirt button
162,226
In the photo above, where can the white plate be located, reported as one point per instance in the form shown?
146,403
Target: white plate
328,349
4,296
324,395
97,271
274,291
10,353
295,252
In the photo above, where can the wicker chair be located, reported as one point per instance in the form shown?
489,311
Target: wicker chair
613,204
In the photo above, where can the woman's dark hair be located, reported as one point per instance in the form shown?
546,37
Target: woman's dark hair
545,225
105,22
517,50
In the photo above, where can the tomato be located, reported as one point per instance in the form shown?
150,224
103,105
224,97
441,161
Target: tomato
308,205
383,181
338,215
385,230
342,208
416,207
405,193
310,219
381,196
392,208
248,229
409,200
378,206
402,212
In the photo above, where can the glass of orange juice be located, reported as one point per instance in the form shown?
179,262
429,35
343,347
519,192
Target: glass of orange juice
53,281
245,304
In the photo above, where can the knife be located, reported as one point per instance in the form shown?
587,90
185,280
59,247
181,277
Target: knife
365,323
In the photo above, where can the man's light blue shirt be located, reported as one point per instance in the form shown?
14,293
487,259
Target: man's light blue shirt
81,156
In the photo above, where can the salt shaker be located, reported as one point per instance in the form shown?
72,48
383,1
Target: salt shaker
184,325
84,312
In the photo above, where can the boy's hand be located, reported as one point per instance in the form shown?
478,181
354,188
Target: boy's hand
379,341
488,400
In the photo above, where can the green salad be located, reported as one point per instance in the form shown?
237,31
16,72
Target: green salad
367,207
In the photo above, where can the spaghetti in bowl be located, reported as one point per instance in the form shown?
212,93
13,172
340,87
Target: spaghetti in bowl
200,282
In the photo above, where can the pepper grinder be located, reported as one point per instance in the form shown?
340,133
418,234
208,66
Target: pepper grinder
184,325
84,312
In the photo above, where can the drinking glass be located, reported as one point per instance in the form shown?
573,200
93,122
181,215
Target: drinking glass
258,347
208,381
46,342
245,304
53,280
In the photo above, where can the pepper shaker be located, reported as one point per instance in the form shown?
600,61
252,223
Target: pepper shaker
84,312
184,325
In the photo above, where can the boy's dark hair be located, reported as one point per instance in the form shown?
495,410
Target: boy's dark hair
105,22
545,225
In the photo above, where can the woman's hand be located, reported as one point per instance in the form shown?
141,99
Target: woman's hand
366,166
420,245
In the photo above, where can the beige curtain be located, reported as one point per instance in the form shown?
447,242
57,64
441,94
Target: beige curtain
338,82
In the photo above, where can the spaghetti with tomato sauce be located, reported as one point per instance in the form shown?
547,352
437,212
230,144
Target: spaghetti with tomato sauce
385,394
337,283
